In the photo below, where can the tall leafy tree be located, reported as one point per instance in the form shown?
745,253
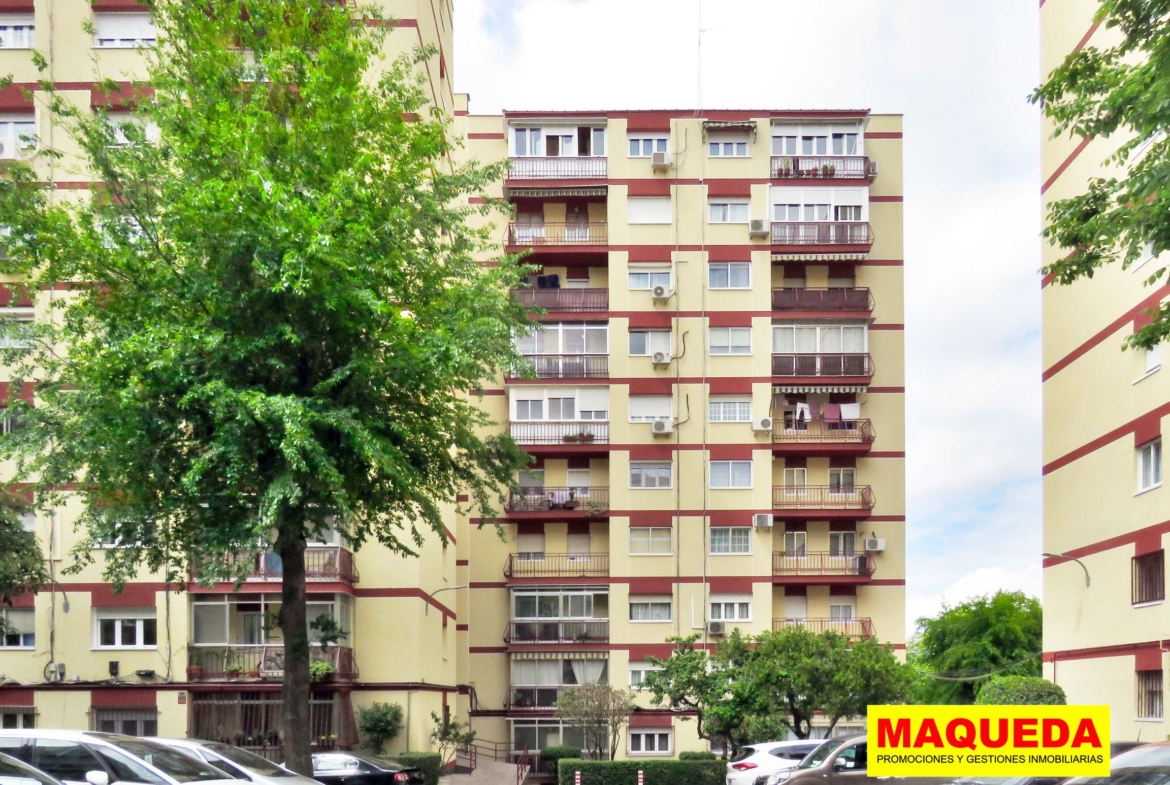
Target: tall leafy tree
1118,90
275,313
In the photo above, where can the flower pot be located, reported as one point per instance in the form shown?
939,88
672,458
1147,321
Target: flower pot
254,674
194,672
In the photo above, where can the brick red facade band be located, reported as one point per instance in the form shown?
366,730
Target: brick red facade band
1136,312
1141,539
1138,425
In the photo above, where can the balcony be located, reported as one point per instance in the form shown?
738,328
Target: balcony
567,366
557,234
532,698
817,437
823,167
559,631
557,565
850,628
558,503
567,168
212,662
564,300
822,501
845,568
821,240
834,366
834,300
575,434
322,563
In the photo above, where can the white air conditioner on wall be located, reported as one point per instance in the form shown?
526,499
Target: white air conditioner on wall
762,424
762,520
661,292
660,162
661,358
715,628
758,229
661,427
876,544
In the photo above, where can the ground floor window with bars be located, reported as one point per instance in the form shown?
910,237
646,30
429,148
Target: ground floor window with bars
18,717
251,720
1149,577
129,721
1149,695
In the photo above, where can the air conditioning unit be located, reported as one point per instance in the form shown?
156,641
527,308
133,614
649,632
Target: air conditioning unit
758,229
716,628
661,358
877,544
873,168
762,424
661,427
762,520
660,162
661,292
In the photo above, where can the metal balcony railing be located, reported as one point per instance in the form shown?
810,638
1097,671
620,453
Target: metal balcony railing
560,432
823,563
322,563
532,698
822,365
821,233
546,499
564,300
831,167
567,366
557,565
216,662
850,628
558,631
821,432
558,234
534,168
822,497
822,300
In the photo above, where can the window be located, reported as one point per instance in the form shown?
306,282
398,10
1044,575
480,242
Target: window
795,543
19,628
529,410
129,722
731,340
560,404
65,760
1149,695
1150,465
731,608
551,604
783,145
530,547
18,717
651,540
819,339
728,212
650,609
853,758
125,628
17,134
842,543
644,146
731,474
15,328
648,408
731,540
17,31
648,210
648,279
729,275
845,144
644,343
727,145
565,338
638,671
842,480
735,410
526,141
796,477
841,611
650,475
123,31
1153,358
1148,578
650,742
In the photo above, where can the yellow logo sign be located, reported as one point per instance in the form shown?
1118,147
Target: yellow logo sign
992,741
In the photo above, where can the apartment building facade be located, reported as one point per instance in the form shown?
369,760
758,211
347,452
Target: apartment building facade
1104,413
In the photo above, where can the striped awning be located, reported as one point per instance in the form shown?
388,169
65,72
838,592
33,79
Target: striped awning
560,655
545,193
832,256
730,125
820,388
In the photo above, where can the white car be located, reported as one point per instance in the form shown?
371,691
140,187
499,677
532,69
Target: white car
241,764
760,760
91,758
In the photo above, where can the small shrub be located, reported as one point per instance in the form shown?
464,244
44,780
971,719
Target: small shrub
320,671
696,755
431,763
655,772
379,722
1020,691
558,753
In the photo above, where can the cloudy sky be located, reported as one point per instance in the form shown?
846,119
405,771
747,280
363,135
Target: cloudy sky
959,71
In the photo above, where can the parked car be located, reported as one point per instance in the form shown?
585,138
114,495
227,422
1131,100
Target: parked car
755,761
240,764
13,771
90,758
840,762
1148,764
352,768
1009,780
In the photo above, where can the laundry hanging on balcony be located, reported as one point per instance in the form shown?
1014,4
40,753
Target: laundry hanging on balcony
850,411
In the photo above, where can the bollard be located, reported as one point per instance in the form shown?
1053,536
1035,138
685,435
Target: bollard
639,777
577,778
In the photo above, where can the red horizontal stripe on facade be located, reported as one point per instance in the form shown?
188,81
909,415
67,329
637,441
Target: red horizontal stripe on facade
885,454
1112,436
406,593
462,563
885,198
124,698
651,386
392,23
487,649
461,113
487,585
17,6
498,136
1126,318
17,697
133,595
1120,541
889,390
883,134
887,327
1098,652
1064,165
461,628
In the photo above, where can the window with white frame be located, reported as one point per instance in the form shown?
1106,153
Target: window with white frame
842,543
731,340
650,608
842,608
648,210
15,324
128,129
795,477
645,343
648,408
638,671
529,404
18,717
1153,357
839,338
526,141
731,474
729,275
125,628
643,279
650,474
557,604
728,145
123,30
842,480
731,540
730,410
795,543
645,146
650,742
128,722
566,338
651,541
1149,457
788,140
17,31
731,608
559,142
18,134
20,631
725,212
819,204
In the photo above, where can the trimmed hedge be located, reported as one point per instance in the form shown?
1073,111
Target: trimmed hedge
1020,691
655,772
695,755
559,753
431,763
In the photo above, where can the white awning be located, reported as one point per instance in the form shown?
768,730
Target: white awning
830,388
560,655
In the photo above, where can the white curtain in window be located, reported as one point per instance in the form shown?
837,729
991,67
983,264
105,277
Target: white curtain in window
588,671
536,673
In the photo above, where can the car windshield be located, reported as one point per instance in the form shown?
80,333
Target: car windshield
13,772
817,756
178,765
249,760
1140,766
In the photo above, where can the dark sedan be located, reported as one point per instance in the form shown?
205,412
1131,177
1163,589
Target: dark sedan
15,772
350,768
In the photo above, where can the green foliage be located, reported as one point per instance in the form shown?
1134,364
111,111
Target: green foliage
655,772
431,763
601,711
329,631
321,670
22,563
449,736
1117,91
1020,691
692,755
983,635
379,722
556,753
691,680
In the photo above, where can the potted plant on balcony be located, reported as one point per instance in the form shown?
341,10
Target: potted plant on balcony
233,664
585,437
321,671
194,672
828,170
571,438
520,701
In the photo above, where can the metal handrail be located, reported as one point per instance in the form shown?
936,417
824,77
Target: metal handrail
851,628
832,167
564,300
567,366
822,497
789,431
824,563
821,233
561,168
259,661
582,432
836,364
557,631
557,565
832,299
558,234
548,499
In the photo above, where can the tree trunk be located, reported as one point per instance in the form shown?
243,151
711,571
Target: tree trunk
295,628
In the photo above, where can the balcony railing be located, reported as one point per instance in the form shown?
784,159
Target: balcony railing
831,167
558,234
567,366
532,698
564,300
821,432
822,497
322,563
822,365
821,300
821,233
545,499
558,631
557,565
850,628
216,662
533,168
560,432
823,563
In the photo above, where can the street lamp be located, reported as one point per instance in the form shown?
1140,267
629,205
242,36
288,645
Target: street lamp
431,596
1070,558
